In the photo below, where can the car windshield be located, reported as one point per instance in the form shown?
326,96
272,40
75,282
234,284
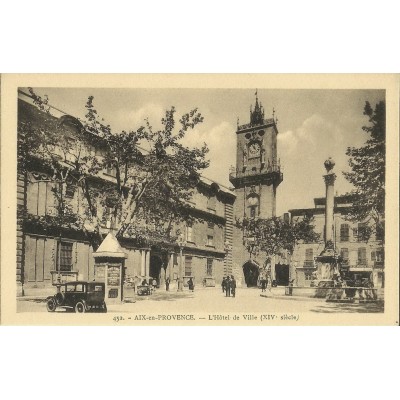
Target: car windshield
70,288
74,287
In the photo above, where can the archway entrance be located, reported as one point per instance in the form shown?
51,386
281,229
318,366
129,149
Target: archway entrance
155,268
250,272
282,274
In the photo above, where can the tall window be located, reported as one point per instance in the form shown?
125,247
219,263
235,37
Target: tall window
309,260
107,215
189,233
253,203
188,266
379,232
361,231
111,170
344,232
210,234
69,190
209,271
344,253
308,276
64,256
377,256
211,203
362,256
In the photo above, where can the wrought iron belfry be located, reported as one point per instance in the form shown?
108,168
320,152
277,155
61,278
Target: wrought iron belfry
257,116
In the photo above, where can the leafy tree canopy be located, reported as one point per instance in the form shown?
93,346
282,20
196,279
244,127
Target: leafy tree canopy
367,174
276,236
153,175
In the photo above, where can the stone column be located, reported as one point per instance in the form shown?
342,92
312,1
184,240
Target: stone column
327,261
148,262
329,179
171,266
143,262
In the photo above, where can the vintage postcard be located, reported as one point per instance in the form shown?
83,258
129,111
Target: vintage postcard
208,199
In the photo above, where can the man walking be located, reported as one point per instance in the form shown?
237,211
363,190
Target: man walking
228,286
233,285
223,284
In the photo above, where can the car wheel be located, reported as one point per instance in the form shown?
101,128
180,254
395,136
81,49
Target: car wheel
80,307
51,305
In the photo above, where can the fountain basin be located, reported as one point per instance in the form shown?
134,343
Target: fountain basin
335,294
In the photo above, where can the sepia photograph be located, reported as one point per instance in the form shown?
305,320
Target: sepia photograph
199,199
202,205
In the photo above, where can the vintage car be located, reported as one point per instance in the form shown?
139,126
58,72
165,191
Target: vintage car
78,296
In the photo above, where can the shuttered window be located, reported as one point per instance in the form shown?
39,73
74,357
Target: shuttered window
64,256
188,266
344,232
362,256
309,259
344,253
209,271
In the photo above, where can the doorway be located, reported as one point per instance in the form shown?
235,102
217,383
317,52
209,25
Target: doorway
282,274
155,268
250,272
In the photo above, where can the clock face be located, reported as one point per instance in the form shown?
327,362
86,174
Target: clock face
254,149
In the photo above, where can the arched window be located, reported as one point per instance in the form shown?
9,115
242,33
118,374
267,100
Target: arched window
253,205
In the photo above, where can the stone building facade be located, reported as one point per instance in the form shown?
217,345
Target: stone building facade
44,252
360,259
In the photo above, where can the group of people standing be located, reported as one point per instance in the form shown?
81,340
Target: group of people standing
229,286
190,284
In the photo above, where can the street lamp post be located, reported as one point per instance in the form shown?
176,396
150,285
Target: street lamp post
181,243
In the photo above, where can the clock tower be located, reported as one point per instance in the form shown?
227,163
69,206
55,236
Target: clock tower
255,178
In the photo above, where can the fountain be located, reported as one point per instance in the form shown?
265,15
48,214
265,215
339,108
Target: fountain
329,283
328,262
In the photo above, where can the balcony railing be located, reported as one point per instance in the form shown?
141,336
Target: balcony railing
266,169
361,264
268,121
308,264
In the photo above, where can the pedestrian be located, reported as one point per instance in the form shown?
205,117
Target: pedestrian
154,284
191,285
263,284
144,282
228,287
233,286
223,284
167,281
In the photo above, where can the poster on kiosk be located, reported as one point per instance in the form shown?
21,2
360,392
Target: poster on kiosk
109,263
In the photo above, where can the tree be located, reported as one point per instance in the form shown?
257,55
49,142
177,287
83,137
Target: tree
275,236
153,174
367,174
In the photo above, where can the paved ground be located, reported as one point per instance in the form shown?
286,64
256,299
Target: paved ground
212,300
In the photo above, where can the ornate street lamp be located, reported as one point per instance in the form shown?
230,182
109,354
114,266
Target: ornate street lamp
181,244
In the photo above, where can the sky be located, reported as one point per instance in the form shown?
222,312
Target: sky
313,125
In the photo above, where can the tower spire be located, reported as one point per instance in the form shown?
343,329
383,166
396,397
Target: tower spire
256,116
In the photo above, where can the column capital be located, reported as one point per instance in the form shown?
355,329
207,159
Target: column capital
329,179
